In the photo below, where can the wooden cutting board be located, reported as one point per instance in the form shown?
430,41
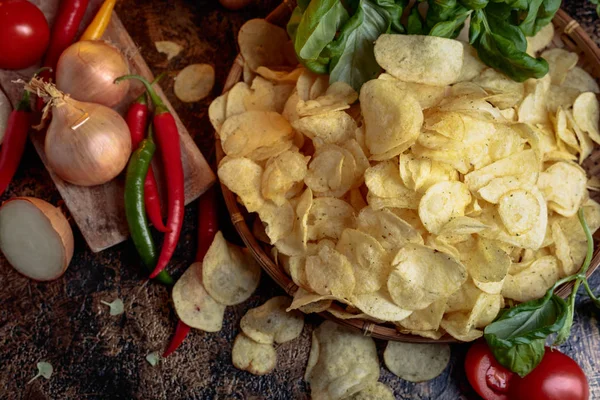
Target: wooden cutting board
99,211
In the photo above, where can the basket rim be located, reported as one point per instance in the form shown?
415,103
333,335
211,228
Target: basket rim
569,29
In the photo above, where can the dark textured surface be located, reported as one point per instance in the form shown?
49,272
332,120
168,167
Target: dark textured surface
96,356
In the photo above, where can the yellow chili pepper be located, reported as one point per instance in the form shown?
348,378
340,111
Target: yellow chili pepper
98,25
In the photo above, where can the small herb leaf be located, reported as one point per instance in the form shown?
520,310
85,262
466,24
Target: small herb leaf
153,358
44,369
116,306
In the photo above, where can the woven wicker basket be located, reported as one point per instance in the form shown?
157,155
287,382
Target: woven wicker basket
569,35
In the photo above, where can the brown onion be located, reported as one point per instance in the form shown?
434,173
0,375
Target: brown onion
86,70
86,144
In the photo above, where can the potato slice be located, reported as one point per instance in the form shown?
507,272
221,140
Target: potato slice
256,358
415,362
193,305
341,362
261,43
422,59
564,185
194,82
533,282
330,273
271,323
229,274
243,177
375,391
442,202
391,231
328,217
379,305
561,62
423,275
331,127
587,114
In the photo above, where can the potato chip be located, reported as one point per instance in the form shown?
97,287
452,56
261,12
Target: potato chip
270,323
421,276
193,305
261,96
328,217
416,362
374,391
379,305
434,335
420,174
280,76
472,65
289,110
586,144
309,303
332,127
294,244
455,158
442,245
243,177
330,273
560,96
427,319
216,112
487,265
368,258
229,274
393,117
454,324
337,97
331,172
464,298
519,210
460,226
341,362
256,358
355,198
442,202
579,79
261,43
235,100
250,131
279,220
587,114
194,82
391,231
280,175
533,282
564,185
169,48
563,132
533,108
422,59
562,250
427,95
540,40
560,62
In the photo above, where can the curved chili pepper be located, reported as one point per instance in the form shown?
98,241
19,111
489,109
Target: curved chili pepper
137,118
135,209
64,30
167,137
96,28
15,139
208,225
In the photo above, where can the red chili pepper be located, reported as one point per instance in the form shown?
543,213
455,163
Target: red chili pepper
137,118
15,138
167,137
64,30
208,225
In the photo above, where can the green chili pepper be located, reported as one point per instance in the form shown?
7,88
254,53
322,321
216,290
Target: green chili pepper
135,209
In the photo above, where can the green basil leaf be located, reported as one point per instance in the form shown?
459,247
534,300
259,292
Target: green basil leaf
318,27
565,331
532,320
521,358
414,25
474,4
395,8
528,24
441,10
353,59
449,29
303,4
510,32
546,14
514,4
476,27
292,25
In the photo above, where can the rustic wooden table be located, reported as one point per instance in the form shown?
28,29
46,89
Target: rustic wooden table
97,356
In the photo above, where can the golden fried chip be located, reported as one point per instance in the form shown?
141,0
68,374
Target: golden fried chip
379,305
280,175
442,202
564,185
193,305
280,76
279,220
427,319
229,274
243,177
270,323
330,273
560,62
422,275
562,250
472,65
587,115
393,118
256,358
540,40
337,97
579,79
216,112
170,49
374,391
194,82
235,100
533,282
328,217
416,362
332,127
294,244
488,265
427,95
261,43
422,59
331,172
391,231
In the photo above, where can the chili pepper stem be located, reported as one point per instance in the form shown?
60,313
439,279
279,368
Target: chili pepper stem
160,107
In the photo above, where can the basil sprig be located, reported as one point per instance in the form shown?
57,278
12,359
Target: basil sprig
518,335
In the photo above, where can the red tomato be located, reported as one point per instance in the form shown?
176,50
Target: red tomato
489,379
557,377
24,34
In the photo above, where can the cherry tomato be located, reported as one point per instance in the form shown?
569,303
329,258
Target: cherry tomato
489,379
557,377
24,34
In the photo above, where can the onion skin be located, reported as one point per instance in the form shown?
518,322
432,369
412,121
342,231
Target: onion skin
86,153
86,70
59,223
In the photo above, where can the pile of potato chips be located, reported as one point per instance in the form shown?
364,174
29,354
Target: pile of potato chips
447,188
